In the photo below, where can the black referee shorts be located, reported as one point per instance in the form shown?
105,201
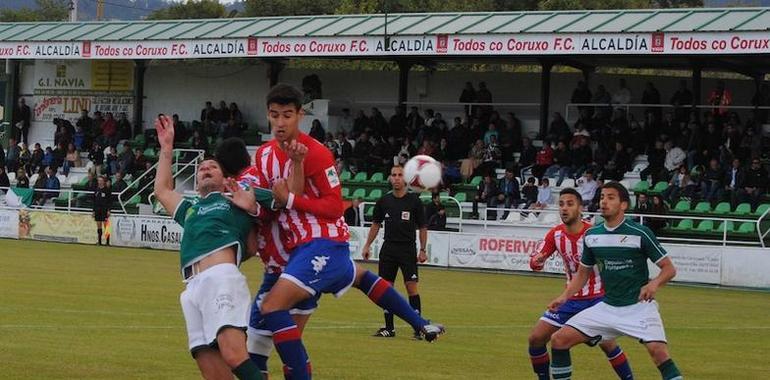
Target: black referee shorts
100,214
395,256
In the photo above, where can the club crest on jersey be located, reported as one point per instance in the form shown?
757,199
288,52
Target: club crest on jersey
405,215
319,262
331,177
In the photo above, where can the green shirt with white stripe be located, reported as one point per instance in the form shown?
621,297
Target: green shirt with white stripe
621,254
210,223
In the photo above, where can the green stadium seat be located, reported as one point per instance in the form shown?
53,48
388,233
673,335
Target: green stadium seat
747,228
346,193
345,176
358,193
149,152
359,178
377,178
702,208
641,187
684,225
682,206
461,197
443,194
659,187
722,209
374,195
369,212
134,201
720,227
762,209
475,181
705,226
743,209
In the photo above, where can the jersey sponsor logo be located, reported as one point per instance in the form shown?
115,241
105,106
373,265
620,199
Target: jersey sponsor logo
613,240
616,265
405,215
319,262
331,177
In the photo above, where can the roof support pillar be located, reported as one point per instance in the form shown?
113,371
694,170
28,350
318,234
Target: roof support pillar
403,81
545,95
140,67
697,95
11,71
274,69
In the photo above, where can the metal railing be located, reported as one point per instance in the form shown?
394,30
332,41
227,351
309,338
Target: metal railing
5,128
628,106
762,235
459,221
441,105
177,170
72,198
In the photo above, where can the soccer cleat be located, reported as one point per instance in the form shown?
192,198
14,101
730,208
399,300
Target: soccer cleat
385,333
431,331
417,335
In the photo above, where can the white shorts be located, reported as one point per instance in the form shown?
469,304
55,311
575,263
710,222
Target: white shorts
604,322
216,298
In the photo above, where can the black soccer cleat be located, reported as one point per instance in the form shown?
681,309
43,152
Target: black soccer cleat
417,335
432,331
385,333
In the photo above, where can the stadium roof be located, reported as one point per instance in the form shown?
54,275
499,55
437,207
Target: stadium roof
409,24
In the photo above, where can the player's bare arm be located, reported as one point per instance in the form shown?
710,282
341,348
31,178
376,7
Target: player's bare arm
244,199
422,256
580,279
296,152
374,229
164,188
667,273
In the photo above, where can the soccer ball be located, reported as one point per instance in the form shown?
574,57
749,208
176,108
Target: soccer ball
422,173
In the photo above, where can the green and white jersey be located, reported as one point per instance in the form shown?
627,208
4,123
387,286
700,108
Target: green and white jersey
621,255
210,224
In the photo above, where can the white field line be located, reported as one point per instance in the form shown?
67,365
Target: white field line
340,327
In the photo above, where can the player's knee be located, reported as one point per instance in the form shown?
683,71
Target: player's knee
537,339
232,346
658,352
561,340
411,288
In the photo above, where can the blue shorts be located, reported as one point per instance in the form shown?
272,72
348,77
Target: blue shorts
305,307
321,266
568,310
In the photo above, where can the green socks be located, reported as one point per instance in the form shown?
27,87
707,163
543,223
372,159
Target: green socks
669,371
247,370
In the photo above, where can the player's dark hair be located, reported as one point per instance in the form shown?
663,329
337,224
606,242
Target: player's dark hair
622,191
284,94
232,156
571,191
212,158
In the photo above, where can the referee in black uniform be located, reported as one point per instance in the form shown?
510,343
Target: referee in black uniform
102,206
402,213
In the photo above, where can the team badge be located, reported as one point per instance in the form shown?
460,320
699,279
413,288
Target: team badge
405,215
331,177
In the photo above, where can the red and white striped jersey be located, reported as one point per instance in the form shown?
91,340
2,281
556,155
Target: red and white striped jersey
270,242
318,213
570,248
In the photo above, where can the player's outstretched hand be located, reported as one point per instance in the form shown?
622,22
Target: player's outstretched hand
556,303
165,128
536,262
245,200
647,293
366,252
281,192
296,150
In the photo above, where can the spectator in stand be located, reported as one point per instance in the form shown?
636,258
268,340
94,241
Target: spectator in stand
126,160
39,187
558,130
379,124
682,100
543,196
345,149
59,154
528,155
426,149
675,157
468,96
62,134
52,185
22,180
235,119
543,160
79,138
643,204
659,207
458,139
112,163
124,127
353,214
2,154
442,150
407,148
491,131
510,194
581,157
603,98
512,132
22,118
139,159
713,182
361,152
751,144
484,96
720,98
469,165
86,125
487,193
637,139
678,183
582,94
761,99
71,159
622,95
669,127
529,193
655,159
622,159
586,186
734,180
754,184
594,206
180,131
562,163
317,131
96,155
361,124
397,122
492,156
199,142
346,122
12,155
36,160
208,115
109,130
25,157
432,208
651,95
222,115
47,159
118,185
98,121
5,182
333,145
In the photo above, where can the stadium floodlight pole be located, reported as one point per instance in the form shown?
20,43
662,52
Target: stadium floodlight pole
73,10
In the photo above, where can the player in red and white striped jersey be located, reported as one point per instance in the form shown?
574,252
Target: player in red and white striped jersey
567,240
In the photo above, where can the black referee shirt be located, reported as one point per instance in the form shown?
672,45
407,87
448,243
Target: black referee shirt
102,199
402,216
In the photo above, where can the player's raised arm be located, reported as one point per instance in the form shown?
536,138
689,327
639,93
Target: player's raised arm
537,261
296,151
323,177
164,185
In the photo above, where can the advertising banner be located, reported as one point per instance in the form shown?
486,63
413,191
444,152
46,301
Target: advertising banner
694,264
675,43
57,226
438,246
502,252
145,232
9,223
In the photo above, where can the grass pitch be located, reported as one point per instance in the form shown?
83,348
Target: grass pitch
84,312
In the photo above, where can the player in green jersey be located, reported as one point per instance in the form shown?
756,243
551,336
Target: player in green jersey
216,299
620,249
